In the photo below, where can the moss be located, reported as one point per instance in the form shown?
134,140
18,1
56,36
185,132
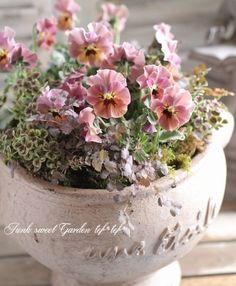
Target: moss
190,146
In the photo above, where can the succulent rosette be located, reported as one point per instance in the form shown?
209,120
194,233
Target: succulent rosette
103,114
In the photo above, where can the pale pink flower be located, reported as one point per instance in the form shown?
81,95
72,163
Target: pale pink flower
115,15
129,53
86,117
68,10
156,78
163,33
23,54
168,45
51,100
7,44
174,109
108,94
46,33
92,47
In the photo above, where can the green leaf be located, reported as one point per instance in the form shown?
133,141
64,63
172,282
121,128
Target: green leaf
170,136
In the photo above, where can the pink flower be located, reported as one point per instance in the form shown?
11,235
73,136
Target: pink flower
115,15
91,47
51,100
174,109
7,44
86,117
168,45
22,53
73,85
68,10
108,94
129,53
156,78
46,33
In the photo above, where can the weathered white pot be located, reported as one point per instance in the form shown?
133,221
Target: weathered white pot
169,219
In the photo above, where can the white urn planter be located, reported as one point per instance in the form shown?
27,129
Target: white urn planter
160,223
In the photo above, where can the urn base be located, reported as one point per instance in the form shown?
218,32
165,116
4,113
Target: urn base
167,276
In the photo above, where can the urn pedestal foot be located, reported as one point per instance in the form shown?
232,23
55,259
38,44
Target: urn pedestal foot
167,276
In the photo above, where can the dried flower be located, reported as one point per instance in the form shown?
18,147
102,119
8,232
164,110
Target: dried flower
108,94
92,47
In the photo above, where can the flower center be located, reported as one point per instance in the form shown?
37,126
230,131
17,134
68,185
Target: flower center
169,111
3,55
65,22
91,51
108,96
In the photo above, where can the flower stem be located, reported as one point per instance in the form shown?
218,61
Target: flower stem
156,140
117,37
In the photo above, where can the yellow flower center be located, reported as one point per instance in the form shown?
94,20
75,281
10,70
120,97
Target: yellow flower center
65,22
3,55
108,96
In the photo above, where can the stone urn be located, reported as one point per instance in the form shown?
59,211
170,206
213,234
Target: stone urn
130,238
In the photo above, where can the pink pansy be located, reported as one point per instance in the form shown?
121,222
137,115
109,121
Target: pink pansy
163,33
73,85
168,45
126,52
46,33
68,10
174,109
92,47
7,44
108,94
86,117
115,15
156,78
22,53
51,100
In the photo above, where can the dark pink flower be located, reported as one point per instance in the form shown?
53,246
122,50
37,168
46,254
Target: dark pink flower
156,78
46,33
7,44
129,53
115,15
86,117
108,94
174,109
168,45
22,53
92,47
68,10
51,100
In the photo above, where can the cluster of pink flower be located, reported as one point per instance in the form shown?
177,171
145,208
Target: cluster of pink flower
107,95
47,28
11,52
172,104
114,18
